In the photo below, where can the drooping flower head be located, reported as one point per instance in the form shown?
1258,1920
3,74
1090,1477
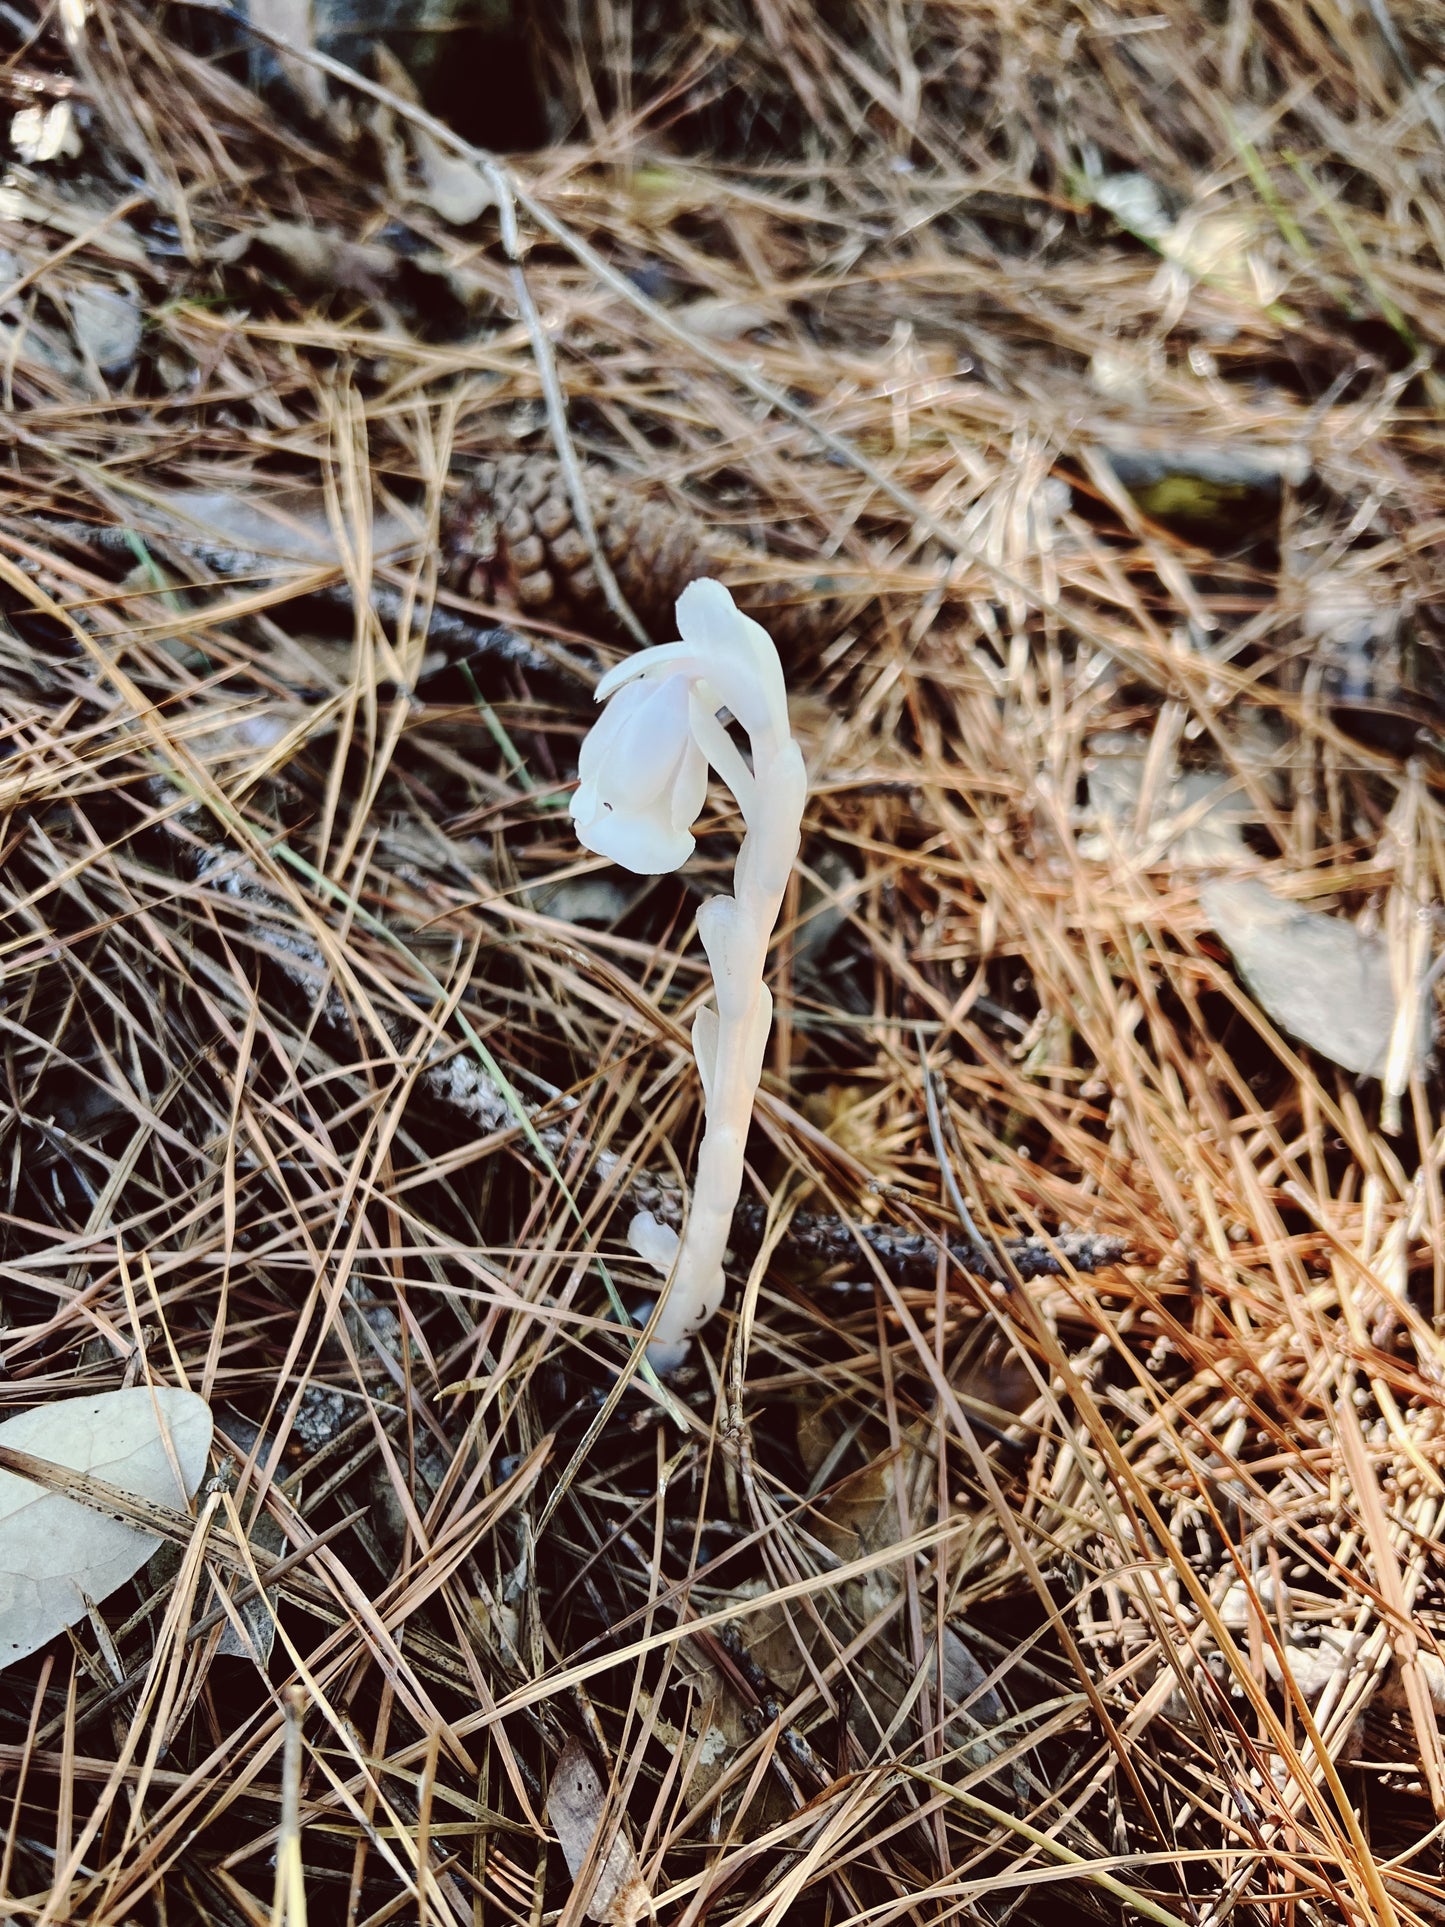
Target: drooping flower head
644,763
644,779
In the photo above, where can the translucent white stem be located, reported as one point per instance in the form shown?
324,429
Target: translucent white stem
731,1041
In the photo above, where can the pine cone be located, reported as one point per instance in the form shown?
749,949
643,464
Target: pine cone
512,536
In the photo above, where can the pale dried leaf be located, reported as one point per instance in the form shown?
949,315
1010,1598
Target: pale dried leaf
82,216
1135,203
73,16
313,260
1122,374
1219,245
576,1801
455,188
286,523
1318,977
54,1551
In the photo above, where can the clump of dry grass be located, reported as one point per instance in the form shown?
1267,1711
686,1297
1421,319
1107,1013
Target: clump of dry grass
1107,1591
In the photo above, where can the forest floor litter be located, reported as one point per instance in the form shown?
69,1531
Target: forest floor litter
1047,1527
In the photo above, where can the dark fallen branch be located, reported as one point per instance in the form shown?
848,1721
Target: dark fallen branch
454,632
910,1255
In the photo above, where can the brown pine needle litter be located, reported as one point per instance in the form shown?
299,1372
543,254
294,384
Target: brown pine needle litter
1047,1528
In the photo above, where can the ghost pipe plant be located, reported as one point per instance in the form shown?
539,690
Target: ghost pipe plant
644,778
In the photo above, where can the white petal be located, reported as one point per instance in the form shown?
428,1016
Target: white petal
600,742
707,617
647,662
664,1355
689,788
646,754
643,778
586,806
646,844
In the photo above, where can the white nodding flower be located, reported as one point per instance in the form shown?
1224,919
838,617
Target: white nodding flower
644,779
643,772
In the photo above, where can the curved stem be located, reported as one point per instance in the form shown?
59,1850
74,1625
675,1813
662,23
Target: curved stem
737,937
